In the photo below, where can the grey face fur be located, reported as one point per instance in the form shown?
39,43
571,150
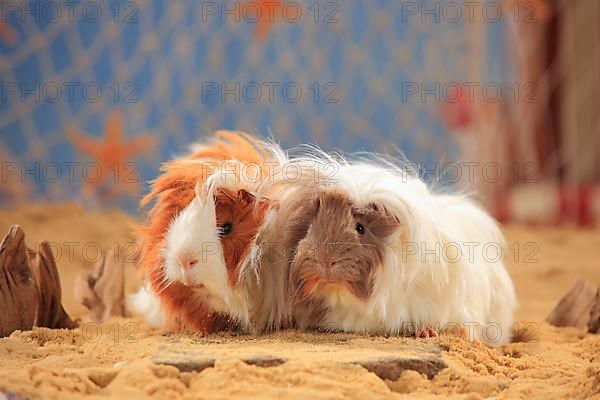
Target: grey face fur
331,243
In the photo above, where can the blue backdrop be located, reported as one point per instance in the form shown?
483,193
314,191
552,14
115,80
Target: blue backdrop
159,73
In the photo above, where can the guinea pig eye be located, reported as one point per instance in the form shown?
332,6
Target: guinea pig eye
360,229
226,228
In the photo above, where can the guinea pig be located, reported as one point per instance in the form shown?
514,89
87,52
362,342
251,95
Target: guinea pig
198,282
372,249
198,234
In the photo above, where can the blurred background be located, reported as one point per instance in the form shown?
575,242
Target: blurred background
498,97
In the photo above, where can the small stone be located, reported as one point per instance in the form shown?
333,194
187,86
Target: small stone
102,377
10,396
184,363
390,368
503,384
264,361
120,364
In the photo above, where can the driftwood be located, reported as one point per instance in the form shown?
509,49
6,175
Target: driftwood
580,308
30,292
103,290
594,323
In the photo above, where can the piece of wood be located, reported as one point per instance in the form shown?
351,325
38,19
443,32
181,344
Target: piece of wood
51,312
103,290
30,292
594,323
18,292
575,308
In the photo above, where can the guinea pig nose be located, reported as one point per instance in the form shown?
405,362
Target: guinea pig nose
187,261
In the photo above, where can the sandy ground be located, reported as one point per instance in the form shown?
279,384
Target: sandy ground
113,360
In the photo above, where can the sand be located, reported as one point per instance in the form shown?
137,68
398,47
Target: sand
113,360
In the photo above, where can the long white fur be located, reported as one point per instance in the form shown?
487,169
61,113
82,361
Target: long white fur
145,303
459,284
265,278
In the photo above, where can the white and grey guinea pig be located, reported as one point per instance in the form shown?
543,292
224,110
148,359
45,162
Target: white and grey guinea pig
373,250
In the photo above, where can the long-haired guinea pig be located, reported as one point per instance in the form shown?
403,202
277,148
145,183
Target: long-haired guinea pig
372,249
223,219
197,281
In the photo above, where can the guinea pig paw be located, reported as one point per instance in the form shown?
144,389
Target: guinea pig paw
426,333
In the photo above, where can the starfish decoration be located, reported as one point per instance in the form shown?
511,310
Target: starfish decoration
269,9
7,33
115,174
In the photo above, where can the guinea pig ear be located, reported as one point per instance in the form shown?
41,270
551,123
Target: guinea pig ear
264,204
246,196
201,192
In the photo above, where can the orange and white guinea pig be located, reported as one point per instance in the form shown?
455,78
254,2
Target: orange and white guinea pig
198,234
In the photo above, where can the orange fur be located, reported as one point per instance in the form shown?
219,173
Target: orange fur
241,209
172,191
